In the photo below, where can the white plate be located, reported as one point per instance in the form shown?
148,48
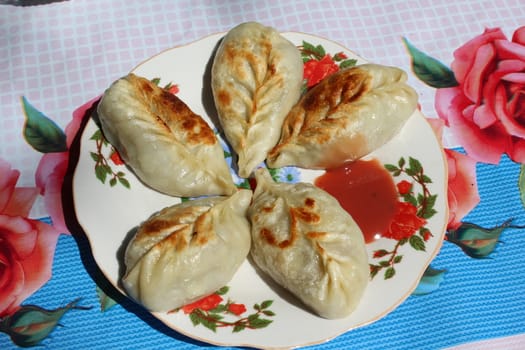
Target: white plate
108,213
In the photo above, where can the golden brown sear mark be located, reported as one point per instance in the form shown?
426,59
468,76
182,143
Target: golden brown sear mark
270,238
297,215
172,113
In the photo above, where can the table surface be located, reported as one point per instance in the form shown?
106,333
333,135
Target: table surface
60,55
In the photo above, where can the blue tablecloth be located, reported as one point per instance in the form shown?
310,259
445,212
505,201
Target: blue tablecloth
63,54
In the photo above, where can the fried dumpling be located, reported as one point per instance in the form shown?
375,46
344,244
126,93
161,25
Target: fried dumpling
307,243
346,116
169,147
256,79
187,251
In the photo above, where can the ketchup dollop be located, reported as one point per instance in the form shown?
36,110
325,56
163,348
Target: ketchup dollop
366,190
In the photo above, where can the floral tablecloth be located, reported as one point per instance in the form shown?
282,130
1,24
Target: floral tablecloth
466,59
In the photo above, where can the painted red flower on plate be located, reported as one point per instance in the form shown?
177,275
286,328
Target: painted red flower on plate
405,222
205,304
317,70
237,309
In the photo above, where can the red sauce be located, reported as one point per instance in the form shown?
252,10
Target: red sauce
366,190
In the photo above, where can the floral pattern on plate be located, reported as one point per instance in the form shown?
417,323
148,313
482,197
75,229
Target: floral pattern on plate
248,287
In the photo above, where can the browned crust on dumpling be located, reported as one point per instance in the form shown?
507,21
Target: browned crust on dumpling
345,117
187,251
270,238
308,244
202,231
306,214
180,225
235,53
245,65
256,78
311,119
171,112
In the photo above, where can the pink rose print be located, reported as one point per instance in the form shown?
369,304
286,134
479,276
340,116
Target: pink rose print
485,111
481,99
52,167
26,246
462,192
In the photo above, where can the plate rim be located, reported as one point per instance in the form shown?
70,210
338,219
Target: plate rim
178,329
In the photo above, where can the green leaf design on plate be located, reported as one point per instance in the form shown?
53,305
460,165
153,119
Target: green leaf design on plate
414,167
198,317
429,70
230,314
156,80
422,201
389,273
257,322
103,167
123,181
223,290
40,132
310,51
31,324
347,63
244,184
274,172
